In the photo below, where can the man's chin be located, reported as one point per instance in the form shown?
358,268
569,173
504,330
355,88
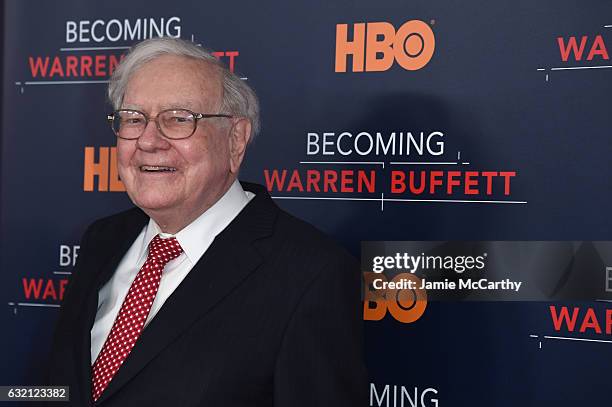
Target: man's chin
154,204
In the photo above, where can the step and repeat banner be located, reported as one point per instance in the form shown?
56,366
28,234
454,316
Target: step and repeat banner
462,151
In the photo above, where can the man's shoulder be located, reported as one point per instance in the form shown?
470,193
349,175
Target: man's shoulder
301,232
294,237
306,243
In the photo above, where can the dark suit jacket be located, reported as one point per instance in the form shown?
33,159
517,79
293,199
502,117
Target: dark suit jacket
269,316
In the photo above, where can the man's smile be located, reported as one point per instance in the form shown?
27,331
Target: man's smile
156,168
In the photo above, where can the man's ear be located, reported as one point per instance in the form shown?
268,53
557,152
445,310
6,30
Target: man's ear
239,137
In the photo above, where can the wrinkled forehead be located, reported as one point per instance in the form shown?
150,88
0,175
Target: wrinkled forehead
175,82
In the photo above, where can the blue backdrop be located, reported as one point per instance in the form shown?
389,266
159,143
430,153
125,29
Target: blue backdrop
518,88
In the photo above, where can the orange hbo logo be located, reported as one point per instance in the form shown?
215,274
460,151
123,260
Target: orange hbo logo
104,169
404,303
375,46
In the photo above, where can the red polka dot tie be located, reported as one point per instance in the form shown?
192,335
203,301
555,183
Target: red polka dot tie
133,313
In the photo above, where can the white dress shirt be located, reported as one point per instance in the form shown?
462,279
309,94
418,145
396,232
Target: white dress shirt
195,239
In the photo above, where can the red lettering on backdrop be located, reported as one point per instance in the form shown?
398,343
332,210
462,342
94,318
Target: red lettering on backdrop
43,289
295,182
86,63
329,180
38,66
56,68
397,182
312,180
71,65
435,180
275,180
100,65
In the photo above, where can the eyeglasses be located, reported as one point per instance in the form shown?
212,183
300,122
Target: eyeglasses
174,124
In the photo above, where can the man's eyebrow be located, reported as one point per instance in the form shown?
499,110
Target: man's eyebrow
130,106
181,104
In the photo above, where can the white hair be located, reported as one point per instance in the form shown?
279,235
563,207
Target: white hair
239,99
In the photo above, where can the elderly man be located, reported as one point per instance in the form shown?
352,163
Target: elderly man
206,294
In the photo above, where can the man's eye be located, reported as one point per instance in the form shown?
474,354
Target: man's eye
132,121
181,119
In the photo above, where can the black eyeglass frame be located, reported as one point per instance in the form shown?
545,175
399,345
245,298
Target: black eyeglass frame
197,116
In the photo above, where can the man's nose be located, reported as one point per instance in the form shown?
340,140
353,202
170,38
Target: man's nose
152,138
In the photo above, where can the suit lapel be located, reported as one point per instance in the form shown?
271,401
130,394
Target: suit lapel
107,257
217,273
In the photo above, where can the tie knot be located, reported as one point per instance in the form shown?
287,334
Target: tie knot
164,250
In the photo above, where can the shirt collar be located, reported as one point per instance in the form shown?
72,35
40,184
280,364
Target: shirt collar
197,236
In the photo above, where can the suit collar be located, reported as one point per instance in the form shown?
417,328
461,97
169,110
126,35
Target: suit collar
197,236
208,282
111,245
256,220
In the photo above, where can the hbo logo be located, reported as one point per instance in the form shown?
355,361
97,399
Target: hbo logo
375,46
